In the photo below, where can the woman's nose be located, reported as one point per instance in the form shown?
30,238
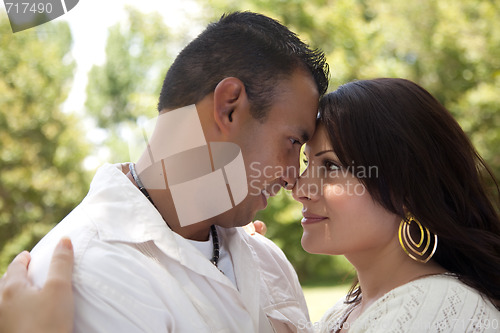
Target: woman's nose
301,190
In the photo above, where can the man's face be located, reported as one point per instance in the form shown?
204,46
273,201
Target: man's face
271,148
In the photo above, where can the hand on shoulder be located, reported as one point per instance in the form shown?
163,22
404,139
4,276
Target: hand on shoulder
25,308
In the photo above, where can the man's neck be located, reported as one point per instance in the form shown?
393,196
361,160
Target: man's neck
165,206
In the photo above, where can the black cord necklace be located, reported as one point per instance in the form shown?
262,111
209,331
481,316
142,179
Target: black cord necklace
213,230
215,241
141,187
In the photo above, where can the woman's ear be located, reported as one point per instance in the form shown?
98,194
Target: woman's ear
230,99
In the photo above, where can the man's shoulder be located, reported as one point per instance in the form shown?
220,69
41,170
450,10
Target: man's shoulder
75,226
271,259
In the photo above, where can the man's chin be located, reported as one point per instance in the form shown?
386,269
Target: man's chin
241,214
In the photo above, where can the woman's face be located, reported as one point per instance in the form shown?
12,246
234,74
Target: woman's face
340,216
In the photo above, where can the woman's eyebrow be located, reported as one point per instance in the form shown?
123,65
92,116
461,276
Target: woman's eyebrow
322,152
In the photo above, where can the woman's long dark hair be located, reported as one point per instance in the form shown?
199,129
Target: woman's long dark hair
427,165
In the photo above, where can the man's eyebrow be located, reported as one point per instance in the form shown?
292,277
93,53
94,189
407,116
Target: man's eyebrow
323,152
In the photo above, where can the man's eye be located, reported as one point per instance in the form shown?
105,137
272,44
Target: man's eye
306,162
295,141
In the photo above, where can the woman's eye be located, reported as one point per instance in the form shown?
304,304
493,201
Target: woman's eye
306,162
330,166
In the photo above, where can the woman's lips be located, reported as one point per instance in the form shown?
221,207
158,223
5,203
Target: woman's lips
310,218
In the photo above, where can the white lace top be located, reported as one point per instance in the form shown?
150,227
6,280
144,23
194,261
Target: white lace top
439,303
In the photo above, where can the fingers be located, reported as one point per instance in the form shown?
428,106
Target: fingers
19,266
61,266
256,227
16,276
26,308
260,227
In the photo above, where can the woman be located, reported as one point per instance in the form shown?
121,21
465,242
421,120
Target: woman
393,183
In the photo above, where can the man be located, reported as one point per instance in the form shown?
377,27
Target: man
139,266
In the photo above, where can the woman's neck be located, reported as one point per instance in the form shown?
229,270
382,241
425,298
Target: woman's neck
380,272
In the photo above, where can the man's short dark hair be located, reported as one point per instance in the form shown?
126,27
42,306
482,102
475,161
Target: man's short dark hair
251,47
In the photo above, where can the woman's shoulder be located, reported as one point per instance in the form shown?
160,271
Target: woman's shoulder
446,291
440,303
332,318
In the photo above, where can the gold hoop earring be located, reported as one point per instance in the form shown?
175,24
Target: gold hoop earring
421,250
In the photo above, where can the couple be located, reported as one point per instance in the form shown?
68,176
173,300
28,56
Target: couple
392,183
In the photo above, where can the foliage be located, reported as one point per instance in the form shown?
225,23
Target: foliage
128,84
41,151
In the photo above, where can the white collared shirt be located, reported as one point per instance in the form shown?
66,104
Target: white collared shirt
133,274
225,263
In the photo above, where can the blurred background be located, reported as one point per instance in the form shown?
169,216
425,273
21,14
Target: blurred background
70,88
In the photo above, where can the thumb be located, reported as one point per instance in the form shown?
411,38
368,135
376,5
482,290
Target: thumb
19,266
61,266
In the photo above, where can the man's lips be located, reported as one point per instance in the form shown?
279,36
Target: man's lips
311,218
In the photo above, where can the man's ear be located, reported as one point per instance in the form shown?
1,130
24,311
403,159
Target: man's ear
230,99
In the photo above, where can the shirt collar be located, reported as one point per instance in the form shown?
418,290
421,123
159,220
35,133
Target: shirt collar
122,213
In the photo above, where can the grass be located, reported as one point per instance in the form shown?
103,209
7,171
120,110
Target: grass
320,299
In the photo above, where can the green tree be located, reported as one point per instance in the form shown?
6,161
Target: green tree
41,148
128,84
